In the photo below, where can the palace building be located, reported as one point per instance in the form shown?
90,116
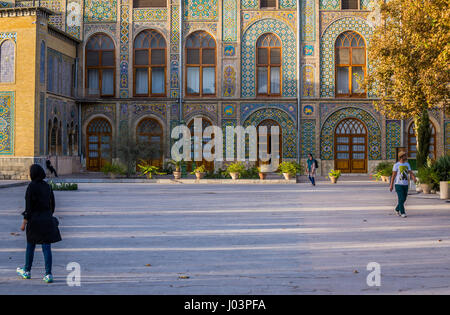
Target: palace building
75,75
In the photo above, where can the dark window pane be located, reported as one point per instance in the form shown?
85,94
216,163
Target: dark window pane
268,3
208,56
141,57
92,58
149,3
349,4
158,57
193,56
275,56
107,58
263,56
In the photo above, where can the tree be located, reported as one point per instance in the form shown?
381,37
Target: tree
130,150
409,54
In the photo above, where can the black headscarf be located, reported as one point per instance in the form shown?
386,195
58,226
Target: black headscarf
37,173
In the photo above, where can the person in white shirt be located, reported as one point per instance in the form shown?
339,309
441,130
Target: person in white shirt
400,178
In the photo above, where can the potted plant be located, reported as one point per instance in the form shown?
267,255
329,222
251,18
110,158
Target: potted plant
383,171
235,170
425,176
289,169
149,170
177,164
112,169
441,174
334,175
199,172
262,171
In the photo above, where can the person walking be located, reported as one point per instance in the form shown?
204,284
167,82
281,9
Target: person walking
400,179
311,165
41,227
50,167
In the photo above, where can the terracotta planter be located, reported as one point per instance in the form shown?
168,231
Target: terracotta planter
199,175
333,179
426,188
177,175
444,190
287,176
234,175
262,176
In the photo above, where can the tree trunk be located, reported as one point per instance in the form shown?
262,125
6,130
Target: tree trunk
423,136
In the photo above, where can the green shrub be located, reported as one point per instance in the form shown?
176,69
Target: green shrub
291,168
199,169
441,169
63,186
149,170
220,174
236,167
384,169
426,175
335,173
250,173
113,168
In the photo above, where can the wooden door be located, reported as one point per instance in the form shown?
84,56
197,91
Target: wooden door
208,164
99,139
351,146
149,131
269,123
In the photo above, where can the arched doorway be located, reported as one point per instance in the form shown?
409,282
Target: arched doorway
99,140
269,123
190,165
150,131
412,141
350,141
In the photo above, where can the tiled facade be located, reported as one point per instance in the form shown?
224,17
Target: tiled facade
307,109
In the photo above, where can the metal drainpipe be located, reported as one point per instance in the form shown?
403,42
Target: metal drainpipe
298,80
180,67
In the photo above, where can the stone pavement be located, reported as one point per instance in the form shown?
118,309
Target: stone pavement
12,183
235,239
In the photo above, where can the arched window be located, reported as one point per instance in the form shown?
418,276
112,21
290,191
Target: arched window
150,132
149,64
350,64
268,65
200,64
7,63
412,141
100,66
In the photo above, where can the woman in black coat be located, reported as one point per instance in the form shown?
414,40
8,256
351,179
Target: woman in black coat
41,226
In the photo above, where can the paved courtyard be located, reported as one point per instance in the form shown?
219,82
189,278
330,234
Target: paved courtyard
234,239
